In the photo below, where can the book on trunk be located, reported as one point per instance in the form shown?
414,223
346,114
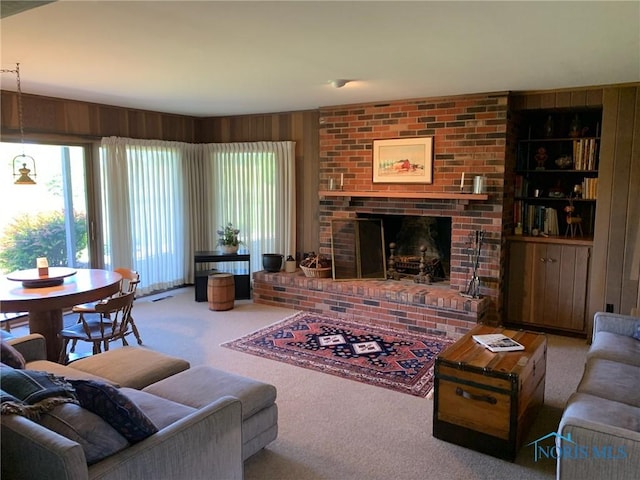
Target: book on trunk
498,342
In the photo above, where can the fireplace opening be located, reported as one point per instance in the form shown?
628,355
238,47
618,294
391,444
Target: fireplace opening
410,233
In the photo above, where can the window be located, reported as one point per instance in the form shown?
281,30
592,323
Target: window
48,219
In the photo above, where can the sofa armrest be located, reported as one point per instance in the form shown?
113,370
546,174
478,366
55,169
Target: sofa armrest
205,444
32,347
598,438
31,452
614,323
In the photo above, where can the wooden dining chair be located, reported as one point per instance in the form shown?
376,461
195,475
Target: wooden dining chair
113,322
128,284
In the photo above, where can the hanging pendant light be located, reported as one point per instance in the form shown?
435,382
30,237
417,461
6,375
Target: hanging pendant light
22,162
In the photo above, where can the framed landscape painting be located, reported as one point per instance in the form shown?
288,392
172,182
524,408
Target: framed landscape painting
403,160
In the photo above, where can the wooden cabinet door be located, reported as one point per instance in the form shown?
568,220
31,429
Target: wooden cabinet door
520,283
547,285
561,286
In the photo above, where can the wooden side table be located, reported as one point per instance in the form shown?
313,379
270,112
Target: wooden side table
487,401
201,276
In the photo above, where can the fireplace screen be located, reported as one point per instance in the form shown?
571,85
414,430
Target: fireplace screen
357,249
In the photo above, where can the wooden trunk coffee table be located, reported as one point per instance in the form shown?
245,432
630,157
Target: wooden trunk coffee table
487,401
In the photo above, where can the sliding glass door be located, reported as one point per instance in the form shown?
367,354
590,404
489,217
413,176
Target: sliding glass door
48,219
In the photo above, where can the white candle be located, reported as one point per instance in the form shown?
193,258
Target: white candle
462,181
341,180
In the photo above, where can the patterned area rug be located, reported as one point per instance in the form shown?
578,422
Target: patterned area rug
385,357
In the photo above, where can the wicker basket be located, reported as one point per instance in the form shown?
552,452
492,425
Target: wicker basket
316,272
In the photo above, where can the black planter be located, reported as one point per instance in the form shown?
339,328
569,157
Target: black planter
272,262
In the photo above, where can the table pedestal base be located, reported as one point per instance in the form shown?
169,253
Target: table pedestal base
48,324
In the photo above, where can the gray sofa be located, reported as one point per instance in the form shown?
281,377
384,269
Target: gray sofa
599,433
208,420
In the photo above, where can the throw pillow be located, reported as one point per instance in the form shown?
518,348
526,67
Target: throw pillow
115,408
37,392
10,356
7,397
97,438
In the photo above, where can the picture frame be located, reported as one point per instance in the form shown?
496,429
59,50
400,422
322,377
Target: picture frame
403,160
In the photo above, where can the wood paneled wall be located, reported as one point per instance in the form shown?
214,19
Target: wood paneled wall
300,127
570,98
50,117
615,266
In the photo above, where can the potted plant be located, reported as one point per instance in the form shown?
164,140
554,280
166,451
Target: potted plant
228,241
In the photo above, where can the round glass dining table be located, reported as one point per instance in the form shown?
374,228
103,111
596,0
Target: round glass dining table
46,304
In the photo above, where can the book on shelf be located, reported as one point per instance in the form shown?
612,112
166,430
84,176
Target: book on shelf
518,184
518,212
590,188
497,342
551,221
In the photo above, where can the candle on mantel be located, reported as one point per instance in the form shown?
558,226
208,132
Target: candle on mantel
462,182
341,180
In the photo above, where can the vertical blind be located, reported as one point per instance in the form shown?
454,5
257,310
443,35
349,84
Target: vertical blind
162,201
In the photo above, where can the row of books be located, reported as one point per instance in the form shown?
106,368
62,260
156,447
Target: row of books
544,219
585,151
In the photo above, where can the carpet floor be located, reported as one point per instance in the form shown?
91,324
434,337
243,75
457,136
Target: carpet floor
330,428
385,357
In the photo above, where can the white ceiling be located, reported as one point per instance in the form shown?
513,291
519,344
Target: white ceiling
208,58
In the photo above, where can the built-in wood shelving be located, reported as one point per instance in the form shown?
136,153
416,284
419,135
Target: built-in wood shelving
462,198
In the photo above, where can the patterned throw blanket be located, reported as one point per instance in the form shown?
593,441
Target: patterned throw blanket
30,393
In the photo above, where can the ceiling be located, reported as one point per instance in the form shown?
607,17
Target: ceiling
210,58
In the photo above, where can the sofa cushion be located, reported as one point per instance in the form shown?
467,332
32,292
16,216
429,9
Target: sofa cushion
612,380
201,385
97,438
63,371
10,356
113,406
133,367
161,412
619,348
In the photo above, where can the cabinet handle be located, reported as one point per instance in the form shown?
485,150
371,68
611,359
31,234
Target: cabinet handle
481,398
542,259
551,260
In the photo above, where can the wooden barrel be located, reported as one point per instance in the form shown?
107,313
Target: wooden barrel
221,291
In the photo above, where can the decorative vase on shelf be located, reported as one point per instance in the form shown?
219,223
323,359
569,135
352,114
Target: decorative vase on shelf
290,264
229,249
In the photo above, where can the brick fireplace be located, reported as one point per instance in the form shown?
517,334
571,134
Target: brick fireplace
470,136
